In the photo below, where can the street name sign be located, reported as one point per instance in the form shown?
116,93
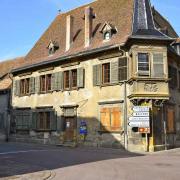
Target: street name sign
139,118
141,114
141,124
141,109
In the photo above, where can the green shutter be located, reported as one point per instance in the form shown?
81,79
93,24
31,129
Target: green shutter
97,75
158,65
59,81
32,85
53,83
114,71
80,77
53,122
17,87
37,84
34,120
123,69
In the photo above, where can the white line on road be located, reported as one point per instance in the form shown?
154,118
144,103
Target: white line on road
17,152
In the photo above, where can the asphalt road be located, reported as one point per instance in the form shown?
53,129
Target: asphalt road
88,163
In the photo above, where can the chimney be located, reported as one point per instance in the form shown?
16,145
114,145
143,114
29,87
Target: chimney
88,25
69,31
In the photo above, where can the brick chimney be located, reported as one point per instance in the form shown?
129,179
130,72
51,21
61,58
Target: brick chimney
69,31
88,25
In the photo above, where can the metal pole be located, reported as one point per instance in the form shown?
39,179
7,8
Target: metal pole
125,117
165,131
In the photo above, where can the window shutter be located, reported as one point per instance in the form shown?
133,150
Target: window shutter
53,122
114,71
158,65
32,85
123,69
53,82
34,120
17,87
80,77
115,119
97,75
37,84
105,119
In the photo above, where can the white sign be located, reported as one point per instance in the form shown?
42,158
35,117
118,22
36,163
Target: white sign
141,108
139,119
141,114
144,124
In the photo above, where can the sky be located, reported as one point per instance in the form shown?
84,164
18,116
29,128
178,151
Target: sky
24,21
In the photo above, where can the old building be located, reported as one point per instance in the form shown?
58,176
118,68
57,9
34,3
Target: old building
5,95
90,68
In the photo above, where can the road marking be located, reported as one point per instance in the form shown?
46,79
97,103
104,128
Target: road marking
17,152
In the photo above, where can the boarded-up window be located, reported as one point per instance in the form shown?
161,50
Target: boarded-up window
158,65
110,118
173,77
122,69
170,119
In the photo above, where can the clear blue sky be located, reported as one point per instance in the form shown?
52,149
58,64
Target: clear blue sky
24,21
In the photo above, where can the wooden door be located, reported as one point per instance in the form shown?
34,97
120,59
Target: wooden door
69,128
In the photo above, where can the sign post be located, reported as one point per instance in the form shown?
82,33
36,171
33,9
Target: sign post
141,119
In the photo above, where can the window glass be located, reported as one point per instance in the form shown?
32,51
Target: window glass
107,36
106,73
66,80
143,64
74,78
42,83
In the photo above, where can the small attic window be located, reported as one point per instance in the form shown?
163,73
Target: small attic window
52,47
108,30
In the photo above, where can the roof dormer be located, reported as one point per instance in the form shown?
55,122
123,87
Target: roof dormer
52,47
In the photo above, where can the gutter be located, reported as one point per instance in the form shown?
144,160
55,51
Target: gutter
80,54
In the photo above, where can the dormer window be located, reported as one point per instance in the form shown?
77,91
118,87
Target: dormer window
52,47
108,30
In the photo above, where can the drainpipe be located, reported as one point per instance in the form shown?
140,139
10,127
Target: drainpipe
125,116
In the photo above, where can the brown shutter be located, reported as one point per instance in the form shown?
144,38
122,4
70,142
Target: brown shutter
115,119
32,85
105,119
80,77
158,65
123,69
37,84
97,75
170,120
114,72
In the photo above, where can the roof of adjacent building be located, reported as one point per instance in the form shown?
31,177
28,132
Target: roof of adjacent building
131,19
5,84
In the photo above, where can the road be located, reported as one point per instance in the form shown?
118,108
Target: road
87,163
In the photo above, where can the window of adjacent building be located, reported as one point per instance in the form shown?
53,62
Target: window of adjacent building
173,77
110,119
24,86
66,80
45,83
106,73
43,121
170,119
143,64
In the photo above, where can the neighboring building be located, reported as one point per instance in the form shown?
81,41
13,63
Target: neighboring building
92,66
5,94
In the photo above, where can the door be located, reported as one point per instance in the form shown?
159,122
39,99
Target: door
70,125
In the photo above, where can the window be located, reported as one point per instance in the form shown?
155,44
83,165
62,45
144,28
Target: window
110,118
143,64
43,121
107,35
106,73
24,86
22,119
170,119
66,80
74,78
45,83
158,65
173,77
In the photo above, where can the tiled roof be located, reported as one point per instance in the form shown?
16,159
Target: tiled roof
119,13
5,84
7,66
177,40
